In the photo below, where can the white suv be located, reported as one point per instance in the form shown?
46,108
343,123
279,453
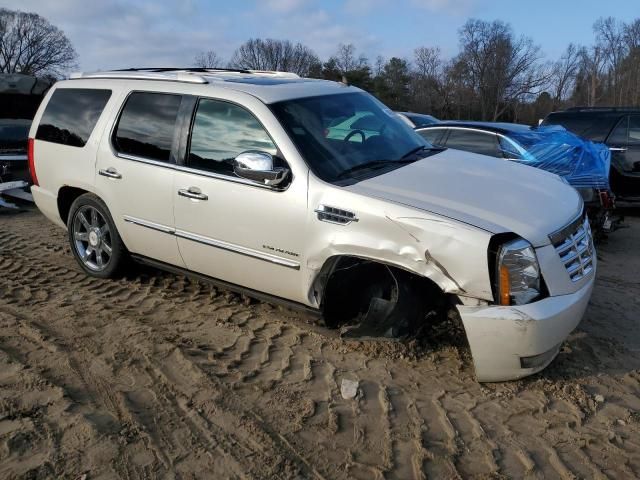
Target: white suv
240,177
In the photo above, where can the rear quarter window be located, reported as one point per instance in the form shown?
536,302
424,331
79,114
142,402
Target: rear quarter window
71,115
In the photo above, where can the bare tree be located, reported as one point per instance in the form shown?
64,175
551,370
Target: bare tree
30,44
610,35
208,59
427,61
270,54
502,69
563,73
346,61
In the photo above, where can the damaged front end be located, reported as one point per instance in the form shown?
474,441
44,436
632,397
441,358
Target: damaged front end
370,299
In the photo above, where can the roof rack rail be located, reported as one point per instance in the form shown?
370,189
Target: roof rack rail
177,74
181,69
601,109
174,76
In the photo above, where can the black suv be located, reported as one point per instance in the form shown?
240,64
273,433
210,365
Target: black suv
619,128
20,96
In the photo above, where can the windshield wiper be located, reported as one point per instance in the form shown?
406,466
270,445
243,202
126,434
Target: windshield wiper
420,149
368,165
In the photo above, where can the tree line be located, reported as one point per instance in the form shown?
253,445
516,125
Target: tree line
496,75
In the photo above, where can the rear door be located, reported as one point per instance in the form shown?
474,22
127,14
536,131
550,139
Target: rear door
135,173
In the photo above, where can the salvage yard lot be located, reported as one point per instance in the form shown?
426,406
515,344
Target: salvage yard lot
157,376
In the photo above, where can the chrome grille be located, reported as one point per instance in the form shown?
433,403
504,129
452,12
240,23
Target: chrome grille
576,249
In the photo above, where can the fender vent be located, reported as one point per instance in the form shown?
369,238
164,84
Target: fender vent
335,215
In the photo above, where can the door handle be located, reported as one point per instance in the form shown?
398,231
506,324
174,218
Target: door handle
618,149
110,173
191,193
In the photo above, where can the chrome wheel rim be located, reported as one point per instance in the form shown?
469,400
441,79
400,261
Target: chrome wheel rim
92,238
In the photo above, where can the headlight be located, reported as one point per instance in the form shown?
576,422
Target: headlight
518,273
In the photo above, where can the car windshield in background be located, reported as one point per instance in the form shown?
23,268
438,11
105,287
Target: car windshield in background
348,135
13,135
420,120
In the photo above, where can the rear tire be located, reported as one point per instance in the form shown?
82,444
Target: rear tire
95,241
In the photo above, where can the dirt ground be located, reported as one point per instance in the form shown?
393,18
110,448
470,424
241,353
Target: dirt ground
156,376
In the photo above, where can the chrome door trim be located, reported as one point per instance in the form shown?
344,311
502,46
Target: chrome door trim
152,225
249,252
202,173
231,247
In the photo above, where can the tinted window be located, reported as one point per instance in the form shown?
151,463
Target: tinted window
221,131
13,135
509,150
432,135
620,133
590,125
634,130
477,142
147,125
71,115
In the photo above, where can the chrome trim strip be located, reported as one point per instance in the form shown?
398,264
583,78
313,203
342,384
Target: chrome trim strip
249,252
563,232
152,225
13,158
202,173
231,247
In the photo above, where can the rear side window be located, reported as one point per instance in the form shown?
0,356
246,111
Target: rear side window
634,130
147,124
620,133
71,115
476,142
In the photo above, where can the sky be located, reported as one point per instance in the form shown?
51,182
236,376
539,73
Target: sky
121,34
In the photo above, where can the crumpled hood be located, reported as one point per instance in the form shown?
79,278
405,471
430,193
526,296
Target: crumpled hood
493,194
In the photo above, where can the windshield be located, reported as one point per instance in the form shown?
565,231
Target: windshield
14,134
336,134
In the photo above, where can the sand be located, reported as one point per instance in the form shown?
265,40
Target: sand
157,376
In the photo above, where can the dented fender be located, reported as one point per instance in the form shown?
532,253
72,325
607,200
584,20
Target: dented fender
450,253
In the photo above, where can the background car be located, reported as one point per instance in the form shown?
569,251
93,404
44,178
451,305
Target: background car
619,129
20,96
583,164
417,120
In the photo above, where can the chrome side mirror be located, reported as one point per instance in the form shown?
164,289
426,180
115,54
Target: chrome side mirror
258,166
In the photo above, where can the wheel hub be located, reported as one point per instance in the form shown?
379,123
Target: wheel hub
94,237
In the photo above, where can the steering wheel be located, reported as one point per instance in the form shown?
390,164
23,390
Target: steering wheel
354,132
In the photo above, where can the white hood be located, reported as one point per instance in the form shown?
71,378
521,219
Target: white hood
493,194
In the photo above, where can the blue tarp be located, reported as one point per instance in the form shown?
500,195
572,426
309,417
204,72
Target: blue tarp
582,163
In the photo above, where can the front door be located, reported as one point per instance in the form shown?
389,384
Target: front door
230,228
135,174
624,143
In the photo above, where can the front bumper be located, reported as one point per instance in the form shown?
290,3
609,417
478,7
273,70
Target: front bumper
502,339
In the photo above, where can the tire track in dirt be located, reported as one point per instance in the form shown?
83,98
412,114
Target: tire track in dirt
180,376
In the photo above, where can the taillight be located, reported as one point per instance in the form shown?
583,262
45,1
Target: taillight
32,163
606,200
